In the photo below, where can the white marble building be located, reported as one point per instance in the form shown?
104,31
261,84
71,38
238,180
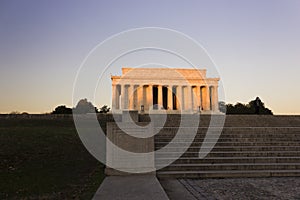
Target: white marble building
170,90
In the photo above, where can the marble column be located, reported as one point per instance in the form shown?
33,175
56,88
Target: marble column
215,98
188,104
126,97
150,96
119,97
179,97
170,97
205,101
123,96
198,98
194,99
145,97
184,97
130,97
140,96
135,99
202,97
208,99
114,100
159,97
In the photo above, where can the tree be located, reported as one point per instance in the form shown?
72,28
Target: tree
14,113
222,106
84,106
62,110
249,108
262,109
104,109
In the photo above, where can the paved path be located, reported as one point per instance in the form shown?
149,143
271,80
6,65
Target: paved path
135,187
233,188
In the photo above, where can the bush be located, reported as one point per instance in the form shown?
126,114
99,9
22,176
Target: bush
247,109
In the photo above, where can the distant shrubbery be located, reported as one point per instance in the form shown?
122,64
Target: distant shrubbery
18,113
62,110
82,107
251,108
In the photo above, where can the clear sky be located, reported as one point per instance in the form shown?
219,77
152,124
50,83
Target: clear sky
255,44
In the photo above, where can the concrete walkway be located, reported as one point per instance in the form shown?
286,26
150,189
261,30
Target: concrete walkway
138,187
281,188
176,190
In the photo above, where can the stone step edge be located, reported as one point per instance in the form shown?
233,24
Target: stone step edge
220,158
227,171
236,142
227,164
226,152
224,147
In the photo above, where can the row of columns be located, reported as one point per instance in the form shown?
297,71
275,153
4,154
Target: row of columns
133,97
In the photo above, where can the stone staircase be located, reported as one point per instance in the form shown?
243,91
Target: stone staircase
249,146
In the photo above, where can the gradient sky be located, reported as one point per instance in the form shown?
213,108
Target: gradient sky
255,44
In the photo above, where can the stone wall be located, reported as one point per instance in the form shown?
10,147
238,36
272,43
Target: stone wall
174,119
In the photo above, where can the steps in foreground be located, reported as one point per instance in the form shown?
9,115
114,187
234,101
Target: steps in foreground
227,173
240,152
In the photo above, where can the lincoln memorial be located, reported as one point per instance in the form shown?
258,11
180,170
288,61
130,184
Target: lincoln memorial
171,90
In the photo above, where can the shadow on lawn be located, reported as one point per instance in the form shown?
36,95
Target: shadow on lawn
43,158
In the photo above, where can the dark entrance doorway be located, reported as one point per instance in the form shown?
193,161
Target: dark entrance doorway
165,97
174,93
155,95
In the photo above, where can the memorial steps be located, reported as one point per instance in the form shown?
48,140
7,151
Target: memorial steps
249,146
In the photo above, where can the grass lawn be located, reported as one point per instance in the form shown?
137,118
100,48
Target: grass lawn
43,158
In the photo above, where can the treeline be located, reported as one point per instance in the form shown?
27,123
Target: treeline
253,107
82,107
